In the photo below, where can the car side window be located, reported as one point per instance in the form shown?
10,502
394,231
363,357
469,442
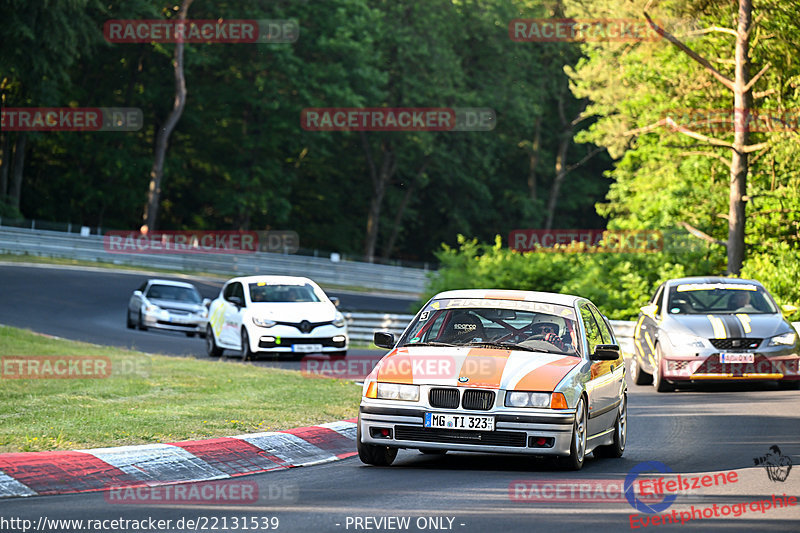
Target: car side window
605,333
238,290
657,299
593,336
227,292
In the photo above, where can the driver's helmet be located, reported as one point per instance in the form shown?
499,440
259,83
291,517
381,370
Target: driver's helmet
544,324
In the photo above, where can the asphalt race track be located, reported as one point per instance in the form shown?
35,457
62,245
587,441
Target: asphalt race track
89,305
720,428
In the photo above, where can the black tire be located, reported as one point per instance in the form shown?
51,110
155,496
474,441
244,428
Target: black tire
639,376
140,323
374,455
431,451
793,384
128,322
659,383
337,356
211,345
190,333
617,448
247,353
577,449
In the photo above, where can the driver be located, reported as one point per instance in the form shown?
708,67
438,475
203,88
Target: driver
740,302
548,331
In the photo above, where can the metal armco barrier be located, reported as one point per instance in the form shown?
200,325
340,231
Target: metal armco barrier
407,280
361,326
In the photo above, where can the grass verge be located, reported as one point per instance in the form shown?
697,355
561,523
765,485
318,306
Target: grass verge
153,398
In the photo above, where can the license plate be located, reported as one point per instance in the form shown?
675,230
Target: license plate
450,421
736,358
306,348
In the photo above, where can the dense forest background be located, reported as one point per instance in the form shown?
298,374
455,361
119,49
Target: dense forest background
588,135
238,158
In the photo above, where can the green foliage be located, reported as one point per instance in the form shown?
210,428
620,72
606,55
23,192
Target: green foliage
779,271
617,283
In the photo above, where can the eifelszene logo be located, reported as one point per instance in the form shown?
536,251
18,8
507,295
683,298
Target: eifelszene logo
777,465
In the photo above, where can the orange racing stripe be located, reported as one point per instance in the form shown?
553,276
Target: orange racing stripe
546,377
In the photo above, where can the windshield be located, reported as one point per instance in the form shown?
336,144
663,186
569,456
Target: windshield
264,292
173,293
530,326
718,298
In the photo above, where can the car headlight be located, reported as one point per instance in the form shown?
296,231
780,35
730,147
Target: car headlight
151,308
263,322
787,339
395,391
339,321
682,339
527,399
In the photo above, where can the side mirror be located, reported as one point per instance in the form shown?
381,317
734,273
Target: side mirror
384,339
235,300
605,352
649,310
788,309
334,300
206,302
137,293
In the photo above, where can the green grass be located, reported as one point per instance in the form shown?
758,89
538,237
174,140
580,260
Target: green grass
154,398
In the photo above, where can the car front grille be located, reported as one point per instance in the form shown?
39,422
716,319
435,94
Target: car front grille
288,342
455,436
735,343
478,400
444,398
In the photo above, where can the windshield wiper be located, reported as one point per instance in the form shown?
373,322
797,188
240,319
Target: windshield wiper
431,343
506,345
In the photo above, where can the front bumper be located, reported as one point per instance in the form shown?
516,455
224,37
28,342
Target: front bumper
516,430
284,339
770,363
170,322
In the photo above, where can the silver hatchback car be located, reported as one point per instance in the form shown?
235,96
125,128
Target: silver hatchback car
168,305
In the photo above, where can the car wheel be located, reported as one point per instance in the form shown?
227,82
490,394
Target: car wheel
617,448
374,455
431,451
140,324
338,356
211,346
247,353
639,376
577,450
793,384
128,322
660,384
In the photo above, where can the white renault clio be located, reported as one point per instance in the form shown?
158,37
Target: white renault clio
275,314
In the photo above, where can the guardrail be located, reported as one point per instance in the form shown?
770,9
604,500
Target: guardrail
46,243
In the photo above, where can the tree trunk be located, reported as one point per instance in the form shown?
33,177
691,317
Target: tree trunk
398,217
561,173
162,139
742,103
533,158
5,164
19,166
379,180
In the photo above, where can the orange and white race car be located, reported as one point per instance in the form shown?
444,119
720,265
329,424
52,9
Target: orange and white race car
498,371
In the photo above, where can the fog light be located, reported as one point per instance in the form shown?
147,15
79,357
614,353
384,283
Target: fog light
380,433
339,338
